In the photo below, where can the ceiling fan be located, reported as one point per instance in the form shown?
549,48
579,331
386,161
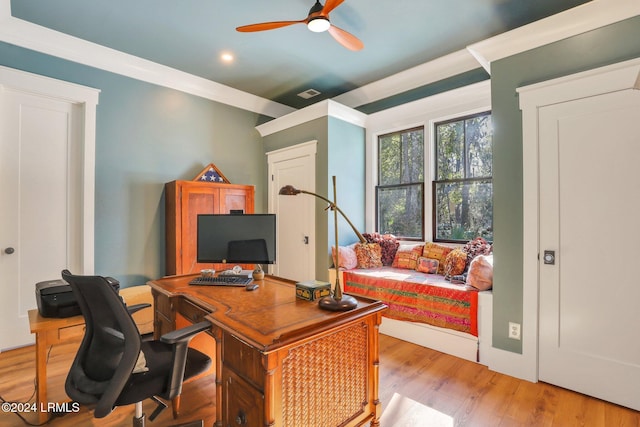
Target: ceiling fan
317,21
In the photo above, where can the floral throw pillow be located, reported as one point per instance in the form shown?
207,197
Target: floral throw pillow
435,251
369,255
407,256
477,246
388,245
427,265
455,263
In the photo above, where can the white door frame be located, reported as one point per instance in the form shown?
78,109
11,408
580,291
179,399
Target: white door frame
86,99
621,76
307,150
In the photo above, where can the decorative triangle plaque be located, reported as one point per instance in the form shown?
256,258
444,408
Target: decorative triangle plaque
211,174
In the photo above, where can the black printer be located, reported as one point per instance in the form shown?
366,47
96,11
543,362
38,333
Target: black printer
55,298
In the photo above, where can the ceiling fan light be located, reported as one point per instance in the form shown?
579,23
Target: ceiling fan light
319,24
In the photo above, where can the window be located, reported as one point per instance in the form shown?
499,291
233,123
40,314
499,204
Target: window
462,190
400,190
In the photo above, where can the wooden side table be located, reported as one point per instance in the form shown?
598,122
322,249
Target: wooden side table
51,331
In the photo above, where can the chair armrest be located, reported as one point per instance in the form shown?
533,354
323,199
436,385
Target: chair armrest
137,307
185,334
179,339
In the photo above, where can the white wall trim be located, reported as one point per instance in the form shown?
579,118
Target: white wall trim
40,39
586,17
87,99
441,68
463,101
326,108
580,19
607,79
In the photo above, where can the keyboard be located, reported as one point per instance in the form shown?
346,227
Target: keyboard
222,280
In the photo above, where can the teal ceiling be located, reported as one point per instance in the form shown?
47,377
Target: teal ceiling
190,35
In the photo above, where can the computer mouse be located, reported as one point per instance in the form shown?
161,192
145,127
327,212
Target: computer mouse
252,286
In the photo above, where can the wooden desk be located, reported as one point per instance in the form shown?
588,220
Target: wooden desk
50,331
281,361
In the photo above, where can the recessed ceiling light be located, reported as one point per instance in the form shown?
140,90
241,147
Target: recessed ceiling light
226,57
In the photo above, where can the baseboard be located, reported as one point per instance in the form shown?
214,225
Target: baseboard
448,341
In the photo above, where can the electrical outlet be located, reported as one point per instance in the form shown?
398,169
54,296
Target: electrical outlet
514,330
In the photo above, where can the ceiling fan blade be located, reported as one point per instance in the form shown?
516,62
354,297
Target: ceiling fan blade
346,39
267,26
330,5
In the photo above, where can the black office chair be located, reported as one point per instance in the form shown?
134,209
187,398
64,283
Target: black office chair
114,366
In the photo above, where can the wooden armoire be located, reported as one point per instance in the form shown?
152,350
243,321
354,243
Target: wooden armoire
184,200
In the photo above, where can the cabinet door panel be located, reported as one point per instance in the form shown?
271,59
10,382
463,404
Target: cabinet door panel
232,199
195,200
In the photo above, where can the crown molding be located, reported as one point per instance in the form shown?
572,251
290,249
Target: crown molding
35,37
430,72
326,108
580,19
577,20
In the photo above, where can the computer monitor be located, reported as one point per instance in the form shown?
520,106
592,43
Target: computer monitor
236,238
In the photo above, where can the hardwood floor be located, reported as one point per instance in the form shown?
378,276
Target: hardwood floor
418,387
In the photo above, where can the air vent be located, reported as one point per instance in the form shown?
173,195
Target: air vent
309,93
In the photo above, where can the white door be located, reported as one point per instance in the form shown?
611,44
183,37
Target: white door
295,215
38,140
589,204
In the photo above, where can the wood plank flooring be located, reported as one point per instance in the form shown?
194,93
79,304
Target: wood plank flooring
418,387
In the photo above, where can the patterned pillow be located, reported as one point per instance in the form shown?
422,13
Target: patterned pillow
435,251
347,254
388,244
369,255
475,247
455,262
427,265
407,256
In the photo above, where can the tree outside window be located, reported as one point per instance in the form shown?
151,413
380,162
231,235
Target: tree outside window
400,190
462,189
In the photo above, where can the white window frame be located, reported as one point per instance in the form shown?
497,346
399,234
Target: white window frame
425,112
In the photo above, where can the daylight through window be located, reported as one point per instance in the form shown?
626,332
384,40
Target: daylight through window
400,190
462,190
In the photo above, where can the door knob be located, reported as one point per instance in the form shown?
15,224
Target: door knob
9,251
549,257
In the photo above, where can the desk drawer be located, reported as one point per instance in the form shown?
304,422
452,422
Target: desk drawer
244,405
71,332
191,312
243,359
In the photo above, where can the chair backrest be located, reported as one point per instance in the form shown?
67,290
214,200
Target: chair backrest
109,349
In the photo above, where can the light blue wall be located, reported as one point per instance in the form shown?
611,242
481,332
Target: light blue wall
147,135
607,45
346,160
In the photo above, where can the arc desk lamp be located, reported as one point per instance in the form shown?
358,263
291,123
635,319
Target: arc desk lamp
338,301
